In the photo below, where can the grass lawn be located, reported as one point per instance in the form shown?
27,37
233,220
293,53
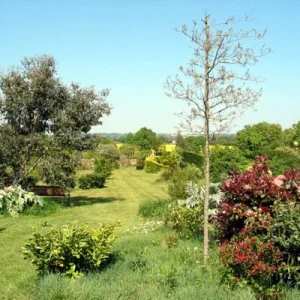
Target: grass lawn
145,269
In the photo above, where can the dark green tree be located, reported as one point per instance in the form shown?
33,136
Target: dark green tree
41,116
259,139
145,138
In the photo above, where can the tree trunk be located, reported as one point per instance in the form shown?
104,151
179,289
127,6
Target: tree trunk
206,133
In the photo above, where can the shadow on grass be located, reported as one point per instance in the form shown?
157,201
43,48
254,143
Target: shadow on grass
82,200
2,229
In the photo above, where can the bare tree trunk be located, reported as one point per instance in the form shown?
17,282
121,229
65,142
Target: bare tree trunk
206,133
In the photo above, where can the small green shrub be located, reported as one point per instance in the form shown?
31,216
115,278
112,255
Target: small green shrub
140,164
179,180
103,167
14,200
91,181
153,167
186,222
156,208
71,250
50,206
171,159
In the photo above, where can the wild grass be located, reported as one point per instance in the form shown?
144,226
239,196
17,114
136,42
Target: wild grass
154,209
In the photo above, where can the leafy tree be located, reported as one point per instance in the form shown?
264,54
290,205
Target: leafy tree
224,160
194,144
41,115
259,139
145,138
214,84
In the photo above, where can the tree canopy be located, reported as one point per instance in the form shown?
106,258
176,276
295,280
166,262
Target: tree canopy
41,115
259,139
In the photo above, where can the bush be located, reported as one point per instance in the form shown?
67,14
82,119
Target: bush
141,157
50,206
103,167
224,160
262,209
14,200
91,181
171,159
284,233
156,208
179,180
284,159
71,250
187,222
252,262
192,158
153,167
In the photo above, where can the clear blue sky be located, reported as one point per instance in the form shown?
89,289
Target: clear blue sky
131,47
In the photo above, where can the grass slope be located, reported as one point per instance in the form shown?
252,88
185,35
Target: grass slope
119,200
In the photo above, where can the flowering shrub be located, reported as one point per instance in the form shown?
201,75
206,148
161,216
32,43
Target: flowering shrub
257,221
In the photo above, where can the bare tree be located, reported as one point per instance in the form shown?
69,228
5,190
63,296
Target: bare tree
217,83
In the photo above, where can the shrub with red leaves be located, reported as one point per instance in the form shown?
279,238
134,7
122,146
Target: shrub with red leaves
246,218
252,262
249,192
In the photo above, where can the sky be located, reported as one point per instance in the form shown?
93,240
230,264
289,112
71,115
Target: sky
131,47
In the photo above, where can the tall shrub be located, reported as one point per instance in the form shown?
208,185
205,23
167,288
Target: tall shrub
260,211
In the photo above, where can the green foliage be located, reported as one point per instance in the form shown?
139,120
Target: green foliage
103,167
157,208
145,139
72,250
224,160
91,181
179,180
14,200
258,139
109,151
194,144
284,233
59,168
50,206
129,150
283,159
153,166
171,159
141,157
41,116
187,222
192,158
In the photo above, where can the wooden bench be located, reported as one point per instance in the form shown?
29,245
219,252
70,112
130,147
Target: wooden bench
51,190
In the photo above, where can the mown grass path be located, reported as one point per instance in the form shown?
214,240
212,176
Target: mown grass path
118,201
